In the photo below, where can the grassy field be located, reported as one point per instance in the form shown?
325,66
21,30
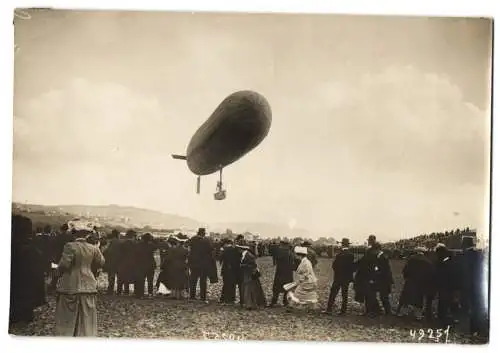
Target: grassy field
161,317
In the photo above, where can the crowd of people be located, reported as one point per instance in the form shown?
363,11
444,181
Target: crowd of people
432,239
75,259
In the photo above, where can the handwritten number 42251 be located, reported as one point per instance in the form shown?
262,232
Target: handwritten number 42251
431,334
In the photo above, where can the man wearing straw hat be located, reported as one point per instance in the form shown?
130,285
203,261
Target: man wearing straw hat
343,269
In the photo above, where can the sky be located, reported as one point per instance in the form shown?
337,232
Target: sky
379,124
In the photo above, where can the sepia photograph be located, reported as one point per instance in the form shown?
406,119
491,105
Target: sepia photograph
251,176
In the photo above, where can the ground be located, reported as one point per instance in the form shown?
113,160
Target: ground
160,317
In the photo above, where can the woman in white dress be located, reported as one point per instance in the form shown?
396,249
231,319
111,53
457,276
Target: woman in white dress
304,293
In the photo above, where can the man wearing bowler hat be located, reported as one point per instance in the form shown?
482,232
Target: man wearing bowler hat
285,265
201,262
343,268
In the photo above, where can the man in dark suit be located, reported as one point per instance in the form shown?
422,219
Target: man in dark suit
380,280
474,279
343,269
230,259
127,269
112,256
201,261
146,265
445,283
285,264
26,272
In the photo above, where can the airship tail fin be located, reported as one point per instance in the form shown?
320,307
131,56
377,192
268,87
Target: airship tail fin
178,156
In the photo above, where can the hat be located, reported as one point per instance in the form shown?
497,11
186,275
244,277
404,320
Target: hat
300,250
201,231
147,236
439,246
420,249
306,243
243,247
178,239
467,242
345,242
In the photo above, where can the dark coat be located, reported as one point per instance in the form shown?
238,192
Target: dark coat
112,256
253,295
127,264
272,252
343,267
43,245
285,265
201,258
419,280
145,257
420,270
230,259
361,278
469,264
201,253
26,280
380,271
174,269
446,272
474,278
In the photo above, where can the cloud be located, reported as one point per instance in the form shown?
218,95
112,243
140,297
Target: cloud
89,123
405,120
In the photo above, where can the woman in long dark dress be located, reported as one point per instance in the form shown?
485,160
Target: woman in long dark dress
175,267
253,295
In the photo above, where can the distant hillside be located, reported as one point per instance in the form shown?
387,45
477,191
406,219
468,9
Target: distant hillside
111,215
124,217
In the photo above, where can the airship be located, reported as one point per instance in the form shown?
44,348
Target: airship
237,126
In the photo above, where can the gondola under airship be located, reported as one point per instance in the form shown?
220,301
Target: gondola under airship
238,125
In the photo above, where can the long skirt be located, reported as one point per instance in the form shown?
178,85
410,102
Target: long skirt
303,295
76,315
253,295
